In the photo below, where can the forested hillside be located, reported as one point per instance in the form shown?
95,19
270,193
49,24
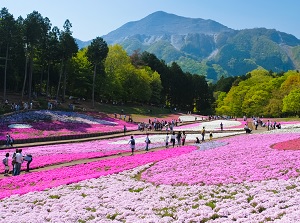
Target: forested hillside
260,93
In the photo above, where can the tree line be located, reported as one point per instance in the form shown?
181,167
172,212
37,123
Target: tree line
40,59
259,93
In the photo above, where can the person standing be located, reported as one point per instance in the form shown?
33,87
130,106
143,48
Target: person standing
221,126
183,138
132,145
19,161
256,124
203,134
178,137
5,162
125,129
210,136
147,141
11,141
167,140
13,161
7,140
173,137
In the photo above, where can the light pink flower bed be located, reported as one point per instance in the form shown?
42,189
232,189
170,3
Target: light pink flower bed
244,158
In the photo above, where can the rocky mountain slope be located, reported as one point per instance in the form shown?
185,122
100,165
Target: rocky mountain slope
207,47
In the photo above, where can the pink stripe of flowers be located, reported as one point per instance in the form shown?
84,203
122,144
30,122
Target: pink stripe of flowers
61,153
38,181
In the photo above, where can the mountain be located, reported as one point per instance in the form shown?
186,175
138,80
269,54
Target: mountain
207,47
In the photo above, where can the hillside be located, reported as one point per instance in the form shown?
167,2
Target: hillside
207,47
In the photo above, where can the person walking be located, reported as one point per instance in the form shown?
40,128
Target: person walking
132,145
147,141
5,162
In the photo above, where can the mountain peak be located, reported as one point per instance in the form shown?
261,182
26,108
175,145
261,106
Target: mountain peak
163,23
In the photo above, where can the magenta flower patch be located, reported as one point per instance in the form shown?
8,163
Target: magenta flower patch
293,144
38,181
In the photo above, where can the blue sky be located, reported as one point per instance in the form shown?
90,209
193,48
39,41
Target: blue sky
92,18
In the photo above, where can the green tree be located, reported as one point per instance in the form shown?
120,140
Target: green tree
7,34
68,48
35,30
156,87
96,54
80,82
116,64
291,102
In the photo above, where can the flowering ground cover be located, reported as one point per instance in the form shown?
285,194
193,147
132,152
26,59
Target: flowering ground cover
235,162
57,123
124,198
212,125
167,117
62,153
237,179
37,181
293,144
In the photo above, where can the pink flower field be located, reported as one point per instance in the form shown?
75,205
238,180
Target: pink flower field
235,162
60,124
62,153
242,178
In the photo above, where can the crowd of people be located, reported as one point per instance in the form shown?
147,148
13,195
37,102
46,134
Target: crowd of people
173,139
257,121
16,162
157,125
21,105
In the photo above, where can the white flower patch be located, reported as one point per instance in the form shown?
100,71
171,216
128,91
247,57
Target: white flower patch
290,126
211,125
283,130
20,126
188,118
